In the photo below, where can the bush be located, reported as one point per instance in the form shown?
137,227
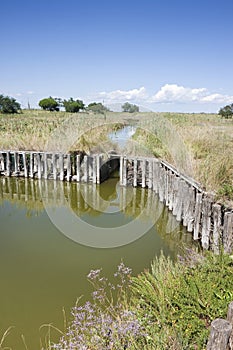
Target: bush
49,104
227,111
8,105
73,106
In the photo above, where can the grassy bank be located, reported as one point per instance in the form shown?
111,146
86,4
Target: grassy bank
200,145
169,307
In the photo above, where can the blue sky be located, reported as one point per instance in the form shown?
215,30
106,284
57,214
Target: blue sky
166,55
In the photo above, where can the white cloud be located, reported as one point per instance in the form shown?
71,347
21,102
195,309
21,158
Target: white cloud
218,98
175,93
122,95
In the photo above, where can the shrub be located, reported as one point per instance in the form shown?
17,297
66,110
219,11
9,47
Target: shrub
8,105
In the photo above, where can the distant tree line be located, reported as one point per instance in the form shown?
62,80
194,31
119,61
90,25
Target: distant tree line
10,105
70,105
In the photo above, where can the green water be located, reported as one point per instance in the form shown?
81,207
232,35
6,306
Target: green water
44,271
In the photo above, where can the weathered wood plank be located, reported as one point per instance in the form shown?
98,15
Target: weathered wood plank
219,335
197,216
228,232
217,227
206,222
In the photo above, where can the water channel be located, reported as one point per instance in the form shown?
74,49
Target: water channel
44,269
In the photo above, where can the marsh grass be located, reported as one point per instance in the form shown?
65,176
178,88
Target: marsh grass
199,145
170,306
206,142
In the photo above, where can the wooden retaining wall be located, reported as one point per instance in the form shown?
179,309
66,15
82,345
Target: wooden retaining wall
210,223
57,166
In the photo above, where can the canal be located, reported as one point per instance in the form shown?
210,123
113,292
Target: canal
44,267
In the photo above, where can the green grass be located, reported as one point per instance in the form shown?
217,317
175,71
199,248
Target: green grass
169,307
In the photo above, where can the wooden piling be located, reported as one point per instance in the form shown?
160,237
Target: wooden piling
94,170
217,228
25,166
45,156
8,164
228,232
219,335
61,166
85,169
197,216
143,165
31,165
124,174
38,165
68,174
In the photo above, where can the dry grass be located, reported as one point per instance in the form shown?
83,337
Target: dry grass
200,145
206,142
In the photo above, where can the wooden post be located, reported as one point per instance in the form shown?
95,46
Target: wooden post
206,222
197,216
25,165
217,229
143,173
68,175
190,213
186,200
16,163
98,166
86,171
135,172
124,176
2,165
156,175
61,166
38,166
121,170
54,165
228,232
31,171
150,177
78,167
171,190
8,164
219,335
161,184
45,166
167,187
180,201
94,180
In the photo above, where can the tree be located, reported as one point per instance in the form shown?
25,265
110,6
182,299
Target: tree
97,108
73,106
128,107
9,105
227,111
49,104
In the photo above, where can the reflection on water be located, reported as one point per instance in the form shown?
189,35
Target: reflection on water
42,270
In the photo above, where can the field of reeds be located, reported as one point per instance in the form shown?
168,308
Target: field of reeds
200,145
36,130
